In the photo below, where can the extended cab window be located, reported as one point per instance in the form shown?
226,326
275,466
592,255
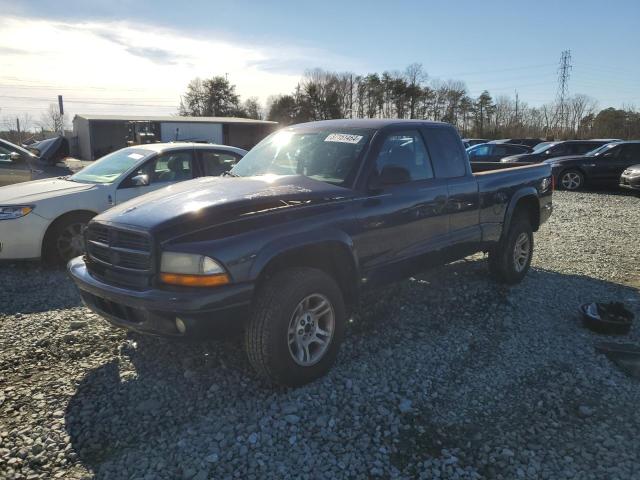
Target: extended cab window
405,150
446,152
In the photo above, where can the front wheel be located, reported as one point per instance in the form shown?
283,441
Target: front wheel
64,240
509,262
571,180
296,326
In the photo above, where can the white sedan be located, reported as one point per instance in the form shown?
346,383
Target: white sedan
45,218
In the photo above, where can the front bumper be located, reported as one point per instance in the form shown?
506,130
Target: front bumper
630,182
154,311
21,238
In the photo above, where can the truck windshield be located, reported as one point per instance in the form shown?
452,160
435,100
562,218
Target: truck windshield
330,156
111,166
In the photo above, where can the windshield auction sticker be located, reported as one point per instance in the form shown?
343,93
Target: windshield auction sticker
135,156
343,138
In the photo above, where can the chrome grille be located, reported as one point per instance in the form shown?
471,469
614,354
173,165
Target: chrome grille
119,256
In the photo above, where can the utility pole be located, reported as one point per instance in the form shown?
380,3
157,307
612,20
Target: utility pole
61,108
564,72
516,108
18,129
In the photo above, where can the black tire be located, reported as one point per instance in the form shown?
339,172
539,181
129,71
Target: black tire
504,266
58,247
571,180
267,334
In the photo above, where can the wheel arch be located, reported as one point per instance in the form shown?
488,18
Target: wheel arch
527,201
56,221
332,254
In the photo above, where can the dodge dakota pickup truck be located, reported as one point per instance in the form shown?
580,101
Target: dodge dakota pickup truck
311,217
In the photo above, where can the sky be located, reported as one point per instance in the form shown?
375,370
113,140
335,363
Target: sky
136,57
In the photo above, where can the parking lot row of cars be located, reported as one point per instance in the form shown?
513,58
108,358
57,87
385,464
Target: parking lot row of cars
575,163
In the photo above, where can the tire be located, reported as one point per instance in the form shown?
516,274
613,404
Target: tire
64,239
274,348
571,180
509,262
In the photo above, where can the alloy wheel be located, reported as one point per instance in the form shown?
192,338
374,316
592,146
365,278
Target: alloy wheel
571,180
521,252
70,242
311,329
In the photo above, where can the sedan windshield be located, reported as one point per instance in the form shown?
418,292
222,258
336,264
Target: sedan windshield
111,166
330,156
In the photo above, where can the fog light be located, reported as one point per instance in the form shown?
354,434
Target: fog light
180,325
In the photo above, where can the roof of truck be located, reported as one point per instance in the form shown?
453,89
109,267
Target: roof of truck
365,123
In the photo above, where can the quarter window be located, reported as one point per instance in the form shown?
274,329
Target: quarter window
446,152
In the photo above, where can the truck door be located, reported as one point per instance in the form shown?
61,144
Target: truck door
161,171
403,216
463,200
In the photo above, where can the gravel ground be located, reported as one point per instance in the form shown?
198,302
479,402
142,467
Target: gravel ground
447,375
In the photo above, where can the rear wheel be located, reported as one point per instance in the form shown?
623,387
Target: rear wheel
296,326
509,262
571,180
64,240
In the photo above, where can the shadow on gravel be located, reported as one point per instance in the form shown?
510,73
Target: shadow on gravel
30,287
157,388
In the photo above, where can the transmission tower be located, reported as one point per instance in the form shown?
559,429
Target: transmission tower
564,70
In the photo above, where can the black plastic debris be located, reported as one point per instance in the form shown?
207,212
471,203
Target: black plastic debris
608,318
626,356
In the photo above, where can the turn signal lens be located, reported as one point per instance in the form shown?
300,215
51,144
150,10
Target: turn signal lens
194,280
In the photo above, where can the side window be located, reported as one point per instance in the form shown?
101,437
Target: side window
500,150
630,152
482,151
513,150
171,167
581,148
405,150
167,167
448,158
558,150
5,158
216,162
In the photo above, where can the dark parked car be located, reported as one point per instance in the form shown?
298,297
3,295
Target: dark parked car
529,142
600,167
630,178
474,141
310,217
493,152
556,149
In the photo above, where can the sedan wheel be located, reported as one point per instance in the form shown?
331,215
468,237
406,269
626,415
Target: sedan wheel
70,242
571,180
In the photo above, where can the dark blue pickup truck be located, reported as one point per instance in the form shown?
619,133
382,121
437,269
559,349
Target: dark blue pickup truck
312,216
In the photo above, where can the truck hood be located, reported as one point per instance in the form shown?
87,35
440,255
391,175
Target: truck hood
215,200
38,190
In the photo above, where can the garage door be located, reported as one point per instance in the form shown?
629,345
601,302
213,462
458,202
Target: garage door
196,132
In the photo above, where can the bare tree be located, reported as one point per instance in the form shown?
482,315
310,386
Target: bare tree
52,120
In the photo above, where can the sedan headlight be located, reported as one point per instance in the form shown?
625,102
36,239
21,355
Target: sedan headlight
191,270
10,212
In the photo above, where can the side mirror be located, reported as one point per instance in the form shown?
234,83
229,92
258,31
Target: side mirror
14,156
390,175
141,180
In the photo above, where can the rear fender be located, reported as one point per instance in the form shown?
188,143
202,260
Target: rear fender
524,193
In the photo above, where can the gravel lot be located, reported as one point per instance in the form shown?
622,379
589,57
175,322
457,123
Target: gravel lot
447,375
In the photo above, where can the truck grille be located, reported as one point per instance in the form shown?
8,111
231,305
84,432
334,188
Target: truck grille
118,256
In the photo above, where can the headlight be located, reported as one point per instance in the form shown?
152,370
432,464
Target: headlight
14,211
191,270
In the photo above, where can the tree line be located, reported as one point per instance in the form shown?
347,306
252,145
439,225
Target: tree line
323,95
